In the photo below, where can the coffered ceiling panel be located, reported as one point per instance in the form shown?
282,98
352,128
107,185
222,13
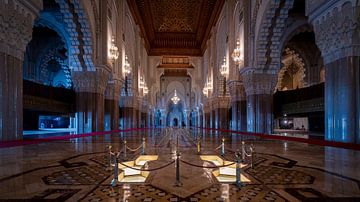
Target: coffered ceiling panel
175,27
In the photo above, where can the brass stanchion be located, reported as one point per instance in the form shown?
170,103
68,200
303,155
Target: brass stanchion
223,146
125,149
115,180
252,152
110,166
243,151
238,169
198,146
143,146
178,182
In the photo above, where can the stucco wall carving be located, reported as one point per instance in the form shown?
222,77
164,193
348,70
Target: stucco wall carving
91,81
268,50
113,88
237,91
16,22
80,35
258,82
337,31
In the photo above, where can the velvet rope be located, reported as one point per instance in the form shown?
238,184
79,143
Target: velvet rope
152,169
15,143
199,166
293,139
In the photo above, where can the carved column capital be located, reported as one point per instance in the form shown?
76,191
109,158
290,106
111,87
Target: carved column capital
221,102
337,29
113,88
257,81
16,19
90,81
237,91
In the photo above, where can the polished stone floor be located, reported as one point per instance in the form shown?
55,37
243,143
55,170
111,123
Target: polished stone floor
77,169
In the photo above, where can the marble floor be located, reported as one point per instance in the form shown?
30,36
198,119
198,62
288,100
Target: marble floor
78,169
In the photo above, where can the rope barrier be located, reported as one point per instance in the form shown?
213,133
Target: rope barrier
133,150
152,169
217,148
191,164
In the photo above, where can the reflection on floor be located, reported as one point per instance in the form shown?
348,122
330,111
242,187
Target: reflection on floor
77,170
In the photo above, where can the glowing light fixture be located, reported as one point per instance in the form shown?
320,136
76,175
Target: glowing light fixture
223,68
114,51
142,83
127,68
146,90
175,99
237,56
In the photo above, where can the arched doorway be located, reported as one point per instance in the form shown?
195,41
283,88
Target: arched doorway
175,122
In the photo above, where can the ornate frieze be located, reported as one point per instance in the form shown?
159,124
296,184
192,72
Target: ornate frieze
237,91
112,91
257,81
16,19
337,30
91,81
221,102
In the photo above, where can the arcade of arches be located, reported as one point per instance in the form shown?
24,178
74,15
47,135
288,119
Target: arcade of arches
180,68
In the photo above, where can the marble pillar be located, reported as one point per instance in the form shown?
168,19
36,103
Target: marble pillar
111,114
16,22
90,99
207,120
342,100
112,94
128,113
90,112
212,119
238,106
337,36
260,113
223,118
259,86
11,97
239,115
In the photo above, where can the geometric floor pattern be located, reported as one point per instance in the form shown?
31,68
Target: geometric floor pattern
217,192
84,176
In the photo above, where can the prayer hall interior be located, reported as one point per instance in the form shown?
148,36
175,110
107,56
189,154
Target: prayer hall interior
180,100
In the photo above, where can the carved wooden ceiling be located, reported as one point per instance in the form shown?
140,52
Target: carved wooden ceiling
175,27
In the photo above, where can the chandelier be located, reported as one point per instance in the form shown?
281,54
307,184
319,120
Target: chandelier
114,51
175,99
142,83
223,68
236,55
127,68
146,90
207,87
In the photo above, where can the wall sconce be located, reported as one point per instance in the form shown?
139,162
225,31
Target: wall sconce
223,68
223,72
114,51
127,68
237,56
142,83
146,90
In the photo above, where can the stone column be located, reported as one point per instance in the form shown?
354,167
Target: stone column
207,116
112,94
259,86
15,33
187,118
337,36
90,88
238,105
222,112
